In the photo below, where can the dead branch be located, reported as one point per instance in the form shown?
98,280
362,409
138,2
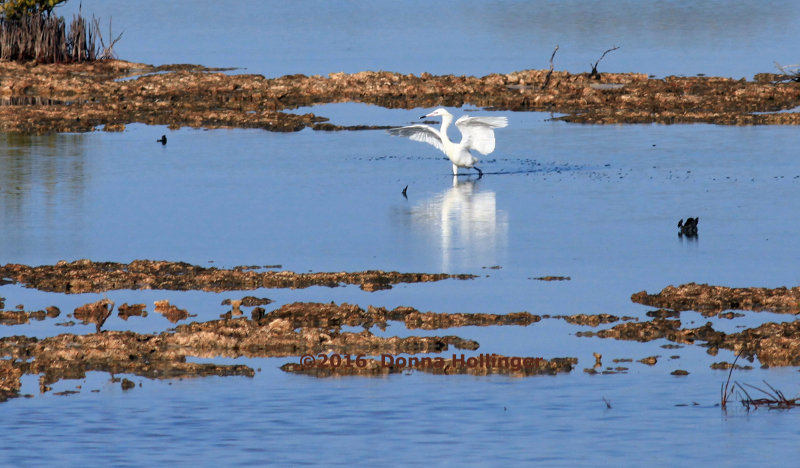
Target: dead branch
108,52
594,73
547,77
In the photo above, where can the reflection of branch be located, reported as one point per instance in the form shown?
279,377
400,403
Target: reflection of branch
594,73
547,77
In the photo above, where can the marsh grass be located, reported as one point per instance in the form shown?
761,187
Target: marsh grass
44,38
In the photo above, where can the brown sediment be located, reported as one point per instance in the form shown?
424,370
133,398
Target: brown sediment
663,313
494,364
774,344
95,312
309,314
250,301
649,361
275,336
727,365
82,276
591,320
20,317
171,312
9,380
287,332
124,311
551,278
707,298
370,368
113,93
538,366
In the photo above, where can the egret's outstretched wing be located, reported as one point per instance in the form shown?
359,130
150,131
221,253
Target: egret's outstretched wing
477,132
421,133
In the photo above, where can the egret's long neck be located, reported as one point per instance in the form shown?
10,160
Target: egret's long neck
447,119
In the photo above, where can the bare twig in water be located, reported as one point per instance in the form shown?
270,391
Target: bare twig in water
724,389
775,398
594,73
547,77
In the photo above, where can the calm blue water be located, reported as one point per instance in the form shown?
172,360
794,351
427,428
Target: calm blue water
596,203
462,37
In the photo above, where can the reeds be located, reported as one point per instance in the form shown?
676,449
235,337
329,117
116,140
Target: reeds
44,38
775,398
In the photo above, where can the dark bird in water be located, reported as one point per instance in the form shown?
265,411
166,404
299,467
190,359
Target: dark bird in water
162,140
689,228
404,192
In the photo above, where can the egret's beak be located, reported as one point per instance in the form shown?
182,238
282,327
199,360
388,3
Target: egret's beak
423,116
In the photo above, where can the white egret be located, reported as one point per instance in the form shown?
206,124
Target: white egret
477,133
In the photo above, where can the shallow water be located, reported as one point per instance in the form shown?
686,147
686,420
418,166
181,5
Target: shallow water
596,203
461,37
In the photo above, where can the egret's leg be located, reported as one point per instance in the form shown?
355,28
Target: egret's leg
480,172
455,169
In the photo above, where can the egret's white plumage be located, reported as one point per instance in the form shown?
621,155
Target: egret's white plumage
477,133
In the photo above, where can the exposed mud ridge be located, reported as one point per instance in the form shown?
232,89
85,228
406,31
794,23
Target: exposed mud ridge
125,311
83,276
591,320
20,317
289,331
114,93
706,298
9,380
171,312
446,366
95,312
305,314
774,344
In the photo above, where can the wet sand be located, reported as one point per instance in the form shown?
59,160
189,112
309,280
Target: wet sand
111,94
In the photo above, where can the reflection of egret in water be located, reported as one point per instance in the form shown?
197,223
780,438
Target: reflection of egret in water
471,230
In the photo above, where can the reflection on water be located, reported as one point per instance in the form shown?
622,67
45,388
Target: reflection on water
42,180
467,224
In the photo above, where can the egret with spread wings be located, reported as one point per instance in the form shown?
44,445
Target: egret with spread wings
477,133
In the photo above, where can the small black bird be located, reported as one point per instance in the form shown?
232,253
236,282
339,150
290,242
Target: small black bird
162,140
404,192
689,228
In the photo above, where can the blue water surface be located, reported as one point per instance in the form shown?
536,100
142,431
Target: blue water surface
598,204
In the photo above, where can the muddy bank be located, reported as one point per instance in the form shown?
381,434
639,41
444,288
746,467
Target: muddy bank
21,317
111,94
303,314
712,299
292,330
83,276
592,320
774,344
